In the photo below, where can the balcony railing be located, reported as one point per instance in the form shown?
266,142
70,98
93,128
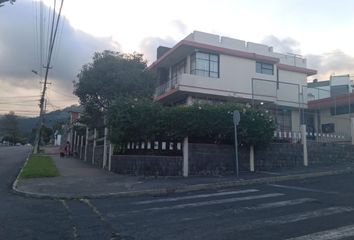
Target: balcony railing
167,86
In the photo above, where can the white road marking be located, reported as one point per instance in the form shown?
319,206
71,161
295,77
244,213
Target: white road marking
333,234
301,188
270,173
196,196
213,202
291,202
295,217
256,207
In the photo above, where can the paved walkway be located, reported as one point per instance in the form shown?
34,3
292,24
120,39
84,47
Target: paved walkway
80,180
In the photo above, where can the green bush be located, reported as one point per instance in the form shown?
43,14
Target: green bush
141,119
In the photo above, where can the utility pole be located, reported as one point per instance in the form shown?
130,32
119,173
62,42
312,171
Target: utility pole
47,67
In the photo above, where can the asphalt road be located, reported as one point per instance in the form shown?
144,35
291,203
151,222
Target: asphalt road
317,208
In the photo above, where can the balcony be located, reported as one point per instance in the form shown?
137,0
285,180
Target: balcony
166,87
242,89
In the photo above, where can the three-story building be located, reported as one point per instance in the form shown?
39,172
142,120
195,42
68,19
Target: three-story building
207,68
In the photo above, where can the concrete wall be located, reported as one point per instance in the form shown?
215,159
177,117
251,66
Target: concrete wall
341,122
211,159
236,44
206,159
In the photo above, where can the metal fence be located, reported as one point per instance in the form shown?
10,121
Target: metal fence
294,137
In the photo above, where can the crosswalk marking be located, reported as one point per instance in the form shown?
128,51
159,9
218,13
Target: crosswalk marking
333,234
285,203
295,217
213,202
196,196
302,189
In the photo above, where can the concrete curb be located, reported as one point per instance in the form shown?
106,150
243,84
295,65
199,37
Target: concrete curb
14,184
183,189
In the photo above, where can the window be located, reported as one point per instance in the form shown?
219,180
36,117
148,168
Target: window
283,119
205,64
264,68
344,109
178,69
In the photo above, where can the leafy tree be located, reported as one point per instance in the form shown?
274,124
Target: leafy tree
9,126
47,134
111,75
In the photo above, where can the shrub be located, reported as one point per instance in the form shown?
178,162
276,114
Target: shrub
141,119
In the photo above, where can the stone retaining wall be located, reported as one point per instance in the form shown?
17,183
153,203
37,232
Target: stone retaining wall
147,165
210,159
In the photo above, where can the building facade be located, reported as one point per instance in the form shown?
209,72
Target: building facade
331,103
207,68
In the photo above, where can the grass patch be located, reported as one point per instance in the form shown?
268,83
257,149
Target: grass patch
39,166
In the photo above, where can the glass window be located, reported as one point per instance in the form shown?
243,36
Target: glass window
178,69
205,64
264,68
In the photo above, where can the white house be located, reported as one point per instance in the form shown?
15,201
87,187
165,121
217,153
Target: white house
332,104
335,86
209,68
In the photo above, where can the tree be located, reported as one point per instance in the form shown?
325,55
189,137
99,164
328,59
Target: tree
47,134
9,125
111,75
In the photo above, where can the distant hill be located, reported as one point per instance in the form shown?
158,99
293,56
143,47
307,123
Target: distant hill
27,124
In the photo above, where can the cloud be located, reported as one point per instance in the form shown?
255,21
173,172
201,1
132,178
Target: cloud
329,63
335,62
286,45
149,45
19,51
180,26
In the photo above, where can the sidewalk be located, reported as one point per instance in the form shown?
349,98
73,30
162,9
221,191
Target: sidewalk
80,180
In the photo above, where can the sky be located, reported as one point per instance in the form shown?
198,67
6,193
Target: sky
319,30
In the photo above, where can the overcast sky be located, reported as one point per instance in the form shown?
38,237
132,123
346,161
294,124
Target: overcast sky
320,30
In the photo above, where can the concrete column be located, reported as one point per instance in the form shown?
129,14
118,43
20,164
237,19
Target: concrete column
73,143
185,158
94,145
110,157
81,145
252,158
352,129
86,143
77,143
304,144
105,148
189,101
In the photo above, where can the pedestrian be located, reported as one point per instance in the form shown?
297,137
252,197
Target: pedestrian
67,148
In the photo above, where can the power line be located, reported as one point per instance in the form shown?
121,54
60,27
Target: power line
73,97
51,46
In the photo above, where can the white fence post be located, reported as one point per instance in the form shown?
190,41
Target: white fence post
105,148
185,157
304,143
110,157
73,147
86,143
81,145
94,145
252,158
